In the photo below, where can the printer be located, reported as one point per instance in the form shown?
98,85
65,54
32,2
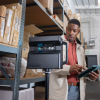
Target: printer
46,52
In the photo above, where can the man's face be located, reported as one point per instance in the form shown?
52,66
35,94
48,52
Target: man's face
72,30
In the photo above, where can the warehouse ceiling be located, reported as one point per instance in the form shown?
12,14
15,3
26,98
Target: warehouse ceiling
87,6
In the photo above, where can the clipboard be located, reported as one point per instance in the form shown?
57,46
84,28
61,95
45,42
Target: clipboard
89,70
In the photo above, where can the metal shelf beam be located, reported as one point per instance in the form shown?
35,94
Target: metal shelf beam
66,15
23,81
8,49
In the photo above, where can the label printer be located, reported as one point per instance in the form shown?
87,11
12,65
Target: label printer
46,52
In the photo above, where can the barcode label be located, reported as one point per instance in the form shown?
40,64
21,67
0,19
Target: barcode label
8,35
16,23
39,70
7,11
9,18
2,27
51,8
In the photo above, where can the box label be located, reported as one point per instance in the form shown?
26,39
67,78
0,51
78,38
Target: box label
51,8
7,11
2,27
39,70
9,18
8,35
16,23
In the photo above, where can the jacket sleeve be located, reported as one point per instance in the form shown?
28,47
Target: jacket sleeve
64,71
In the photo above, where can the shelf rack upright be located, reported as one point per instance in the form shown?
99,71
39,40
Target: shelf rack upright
51,26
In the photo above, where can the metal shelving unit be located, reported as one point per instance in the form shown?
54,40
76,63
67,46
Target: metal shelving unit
44,22
23,80
18,51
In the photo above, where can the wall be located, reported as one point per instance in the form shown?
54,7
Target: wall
91,29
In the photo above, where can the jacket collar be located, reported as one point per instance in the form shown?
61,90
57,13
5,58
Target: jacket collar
64,39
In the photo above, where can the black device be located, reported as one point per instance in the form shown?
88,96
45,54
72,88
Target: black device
46,52
91,60
89,70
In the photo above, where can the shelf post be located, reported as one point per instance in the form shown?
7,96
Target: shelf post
19,54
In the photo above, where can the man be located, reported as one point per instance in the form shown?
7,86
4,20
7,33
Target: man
63,83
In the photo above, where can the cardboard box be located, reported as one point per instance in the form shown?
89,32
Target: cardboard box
13,8
2,21
75,16
7,31
30,73
61,1
79,17
29,31
65,8
40,89
14,37
48,4
70,14
78,36
6,93
2,26
17,26
57,19
25,48
39,93
82,40
2,11
65,21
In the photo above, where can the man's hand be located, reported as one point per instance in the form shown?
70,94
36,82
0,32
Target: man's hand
76,68
93,75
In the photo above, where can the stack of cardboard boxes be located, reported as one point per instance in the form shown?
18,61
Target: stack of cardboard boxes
10,23
65,21
70,14
58,19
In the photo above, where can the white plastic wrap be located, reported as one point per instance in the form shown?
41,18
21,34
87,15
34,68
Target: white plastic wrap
9,65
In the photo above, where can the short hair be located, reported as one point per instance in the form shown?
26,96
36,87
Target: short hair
74,21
